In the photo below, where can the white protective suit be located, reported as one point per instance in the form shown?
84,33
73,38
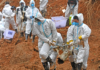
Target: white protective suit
43,5
30,22
0,16
46,32
53,54
70,9
9,16
19,16
73,33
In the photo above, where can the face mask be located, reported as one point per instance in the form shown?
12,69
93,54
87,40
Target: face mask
22,5
75,23
39,23
32,5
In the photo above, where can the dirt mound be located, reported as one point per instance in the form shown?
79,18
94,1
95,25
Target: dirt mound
25,56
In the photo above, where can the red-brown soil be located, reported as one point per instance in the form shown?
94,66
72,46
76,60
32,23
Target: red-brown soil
24,55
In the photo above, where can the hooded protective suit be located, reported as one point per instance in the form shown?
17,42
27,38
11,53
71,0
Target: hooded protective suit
31,11
21,15
9,16
46,31
43,5
0,16
74,32
71,8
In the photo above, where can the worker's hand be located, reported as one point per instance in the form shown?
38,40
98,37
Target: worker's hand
52,43
31,17
80,37
22,17
23,11
67,43
71,42
78,41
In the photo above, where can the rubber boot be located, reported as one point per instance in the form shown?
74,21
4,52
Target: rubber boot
22,34
45,65
49,60
33,38
26,37
16,30
30,34
79,65
2,34
73,66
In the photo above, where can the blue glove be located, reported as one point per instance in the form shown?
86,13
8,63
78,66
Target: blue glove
31,17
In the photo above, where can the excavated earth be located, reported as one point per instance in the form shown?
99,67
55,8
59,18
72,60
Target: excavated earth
25,56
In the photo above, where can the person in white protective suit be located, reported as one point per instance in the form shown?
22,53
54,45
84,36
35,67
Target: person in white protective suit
77,33
20,17
53,53
2,28
43,6
30,13
72,7
8,14
0,16
46,31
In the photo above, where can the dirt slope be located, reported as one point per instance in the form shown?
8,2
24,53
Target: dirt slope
24,55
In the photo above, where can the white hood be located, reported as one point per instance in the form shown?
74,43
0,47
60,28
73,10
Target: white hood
39,16
80,17
7,5
32,1
22,1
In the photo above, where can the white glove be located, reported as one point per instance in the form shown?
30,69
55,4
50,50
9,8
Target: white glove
78,41
22,17
52,43
71,43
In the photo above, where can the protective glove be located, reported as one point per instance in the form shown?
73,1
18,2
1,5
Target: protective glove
80,37
22,17
78,41
52,43
31,17
67,43
71,42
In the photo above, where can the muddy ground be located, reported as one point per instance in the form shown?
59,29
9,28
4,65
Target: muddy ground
25,56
